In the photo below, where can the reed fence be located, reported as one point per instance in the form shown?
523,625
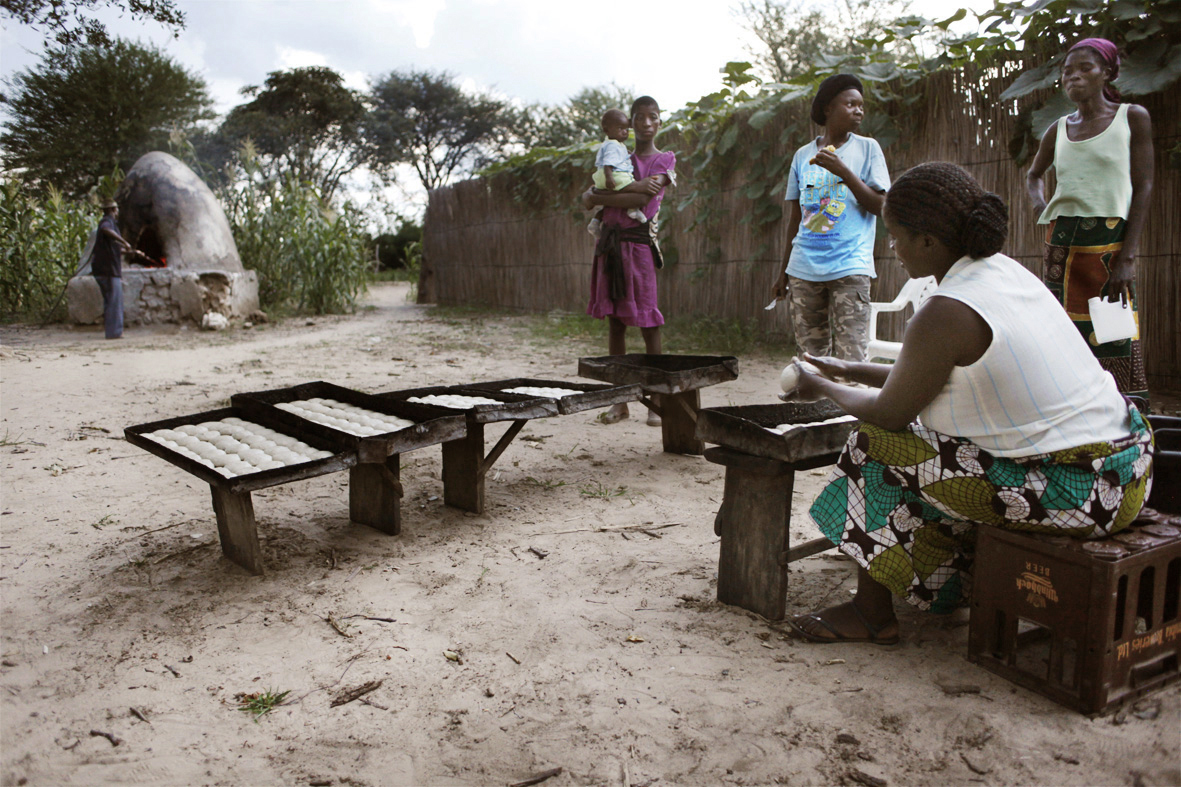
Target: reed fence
481,247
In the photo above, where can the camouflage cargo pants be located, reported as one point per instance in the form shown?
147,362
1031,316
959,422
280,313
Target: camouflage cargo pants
831,317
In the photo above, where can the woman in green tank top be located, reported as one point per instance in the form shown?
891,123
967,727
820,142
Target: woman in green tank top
1102,157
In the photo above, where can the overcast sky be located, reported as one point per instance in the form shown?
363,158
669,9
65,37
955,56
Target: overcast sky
533,51
530,50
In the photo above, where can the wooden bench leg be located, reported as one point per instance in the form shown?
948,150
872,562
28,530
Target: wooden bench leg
678,416
237,529
375,495
754,523
463,481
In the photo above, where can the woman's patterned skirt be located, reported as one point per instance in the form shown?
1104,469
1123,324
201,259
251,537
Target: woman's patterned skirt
1079,250
905,505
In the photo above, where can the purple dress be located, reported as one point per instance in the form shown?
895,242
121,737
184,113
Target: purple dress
638,307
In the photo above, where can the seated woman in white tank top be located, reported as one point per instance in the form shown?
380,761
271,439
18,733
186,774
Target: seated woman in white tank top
995,413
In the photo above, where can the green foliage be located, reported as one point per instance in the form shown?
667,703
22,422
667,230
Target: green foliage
303,122
710,129
424,119
1148,33
691,335
543,178
43,243
308,256
1036,36
401,249
70,22
82,112
794,34
704,335
108,186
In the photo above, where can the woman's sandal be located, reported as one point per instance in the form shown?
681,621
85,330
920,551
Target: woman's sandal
874,637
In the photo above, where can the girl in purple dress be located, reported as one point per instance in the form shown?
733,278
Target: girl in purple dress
623,278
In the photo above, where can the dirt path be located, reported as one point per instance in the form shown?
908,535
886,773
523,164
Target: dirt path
624,670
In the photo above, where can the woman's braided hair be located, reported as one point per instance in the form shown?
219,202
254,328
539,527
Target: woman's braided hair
943,200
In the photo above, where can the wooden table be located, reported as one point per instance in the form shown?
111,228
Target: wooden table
754,519
465,464
375,490
676,379
375,485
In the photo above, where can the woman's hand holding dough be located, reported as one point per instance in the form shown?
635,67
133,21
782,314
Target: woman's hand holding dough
832,368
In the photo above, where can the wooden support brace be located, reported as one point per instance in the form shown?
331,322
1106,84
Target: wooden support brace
375,495
237,529
689,411
514,428
806,549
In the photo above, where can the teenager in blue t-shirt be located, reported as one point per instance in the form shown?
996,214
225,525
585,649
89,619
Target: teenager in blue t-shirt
835,192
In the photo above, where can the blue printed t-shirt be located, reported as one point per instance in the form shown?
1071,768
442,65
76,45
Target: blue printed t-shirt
836,233
612,153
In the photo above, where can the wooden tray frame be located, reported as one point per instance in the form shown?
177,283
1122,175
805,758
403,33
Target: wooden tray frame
686,372
341,459
592,396
515,407
742,429
430,428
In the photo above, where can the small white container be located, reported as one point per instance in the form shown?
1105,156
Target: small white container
1113,321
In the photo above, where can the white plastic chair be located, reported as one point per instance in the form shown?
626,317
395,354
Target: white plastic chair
915,291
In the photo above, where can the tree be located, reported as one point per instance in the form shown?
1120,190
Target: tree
303,121
393,249
795,34
424,119
577,121
70,23
82,112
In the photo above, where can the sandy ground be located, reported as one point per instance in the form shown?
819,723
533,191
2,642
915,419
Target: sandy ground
624,669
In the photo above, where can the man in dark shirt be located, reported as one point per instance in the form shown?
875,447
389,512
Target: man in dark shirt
107,268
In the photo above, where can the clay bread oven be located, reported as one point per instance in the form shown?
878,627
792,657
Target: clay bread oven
168,213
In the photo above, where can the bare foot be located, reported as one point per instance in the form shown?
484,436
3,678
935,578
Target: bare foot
845,623
617,413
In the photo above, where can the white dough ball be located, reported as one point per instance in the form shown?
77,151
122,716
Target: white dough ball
789,378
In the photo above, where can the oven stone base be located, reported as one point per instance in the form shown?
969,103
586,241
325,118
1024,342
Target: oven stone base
161,295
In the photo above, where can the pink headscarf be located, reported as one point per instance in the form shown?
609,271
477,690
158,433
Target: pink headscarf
1109,54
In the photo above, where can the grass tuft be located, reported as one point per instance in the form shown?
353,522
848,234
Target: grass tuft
260,703
597,489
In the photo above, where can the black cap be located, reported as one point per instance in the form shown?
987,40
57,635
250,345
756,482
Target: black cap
830,89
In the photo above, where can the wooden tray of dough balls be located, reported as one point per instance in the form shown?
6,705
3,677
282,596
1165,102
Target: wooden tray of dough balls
571,397
238,450
790,432
480,407
376,426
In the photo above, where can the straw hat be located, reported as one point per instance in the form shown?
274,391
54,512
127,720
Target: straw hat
109,203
